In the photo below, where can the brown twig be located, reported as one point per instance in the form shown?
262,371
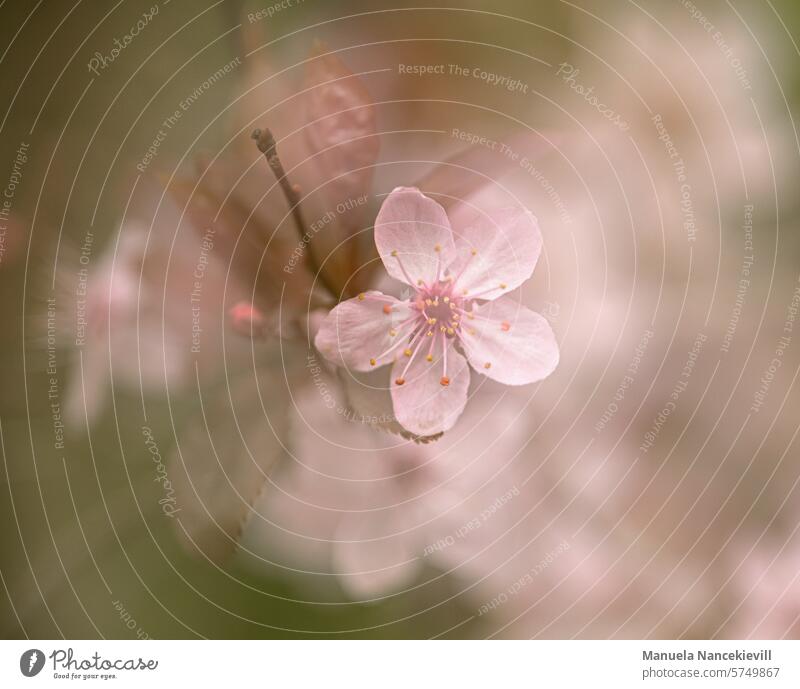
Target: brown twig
266,144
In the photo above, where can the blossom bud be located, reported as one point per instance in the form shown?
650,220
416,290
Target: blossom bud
247,320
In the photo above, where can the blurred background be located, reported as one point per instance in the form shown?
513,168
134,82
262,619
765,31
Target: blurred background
178,460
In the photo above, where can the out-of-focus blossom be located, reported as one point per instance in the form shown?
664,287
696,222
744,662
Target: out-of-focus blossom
766,592
143,331
725,122
370,511
457,314
150,323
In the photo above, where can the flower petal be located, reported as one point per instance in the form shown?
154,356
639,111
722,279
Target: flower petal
357,331
369,402
517,344
413,236
422,404
507,244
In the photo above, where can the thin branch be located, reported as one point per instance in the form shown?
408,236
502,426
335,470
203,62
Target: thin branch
266,144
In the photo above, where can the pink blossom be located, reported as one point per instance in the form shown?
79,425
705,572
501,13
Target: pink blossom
458,313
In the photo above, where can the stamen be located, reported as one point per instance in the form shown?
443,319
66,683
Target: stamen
438,250
377,297
505,326
400,381
479,295
473,253
407,352
412,356
444,379
387,309
414,331
430,349
488,364
372,362
402,267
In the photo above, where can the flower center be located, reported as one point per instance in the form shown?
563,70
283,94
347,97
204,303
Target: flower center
440,308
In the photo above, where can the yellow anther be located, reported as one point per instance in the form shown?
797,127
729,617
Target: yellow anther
372,362
446,300
445,381
452,305
488,364
429,357
407,352
361,297
442,328
437,248
429,302
430,333
392,332
470,315
471,331
394,252
400,381
431,321
503,285
474,252
465,292
450,331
